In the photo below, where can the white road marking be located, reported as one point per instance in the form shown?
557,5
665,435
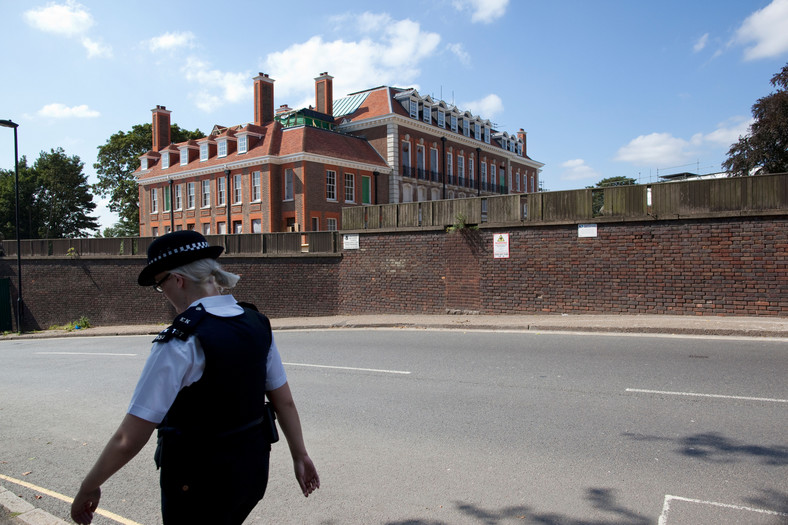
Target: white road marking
663,518
718,396
350,368
84,353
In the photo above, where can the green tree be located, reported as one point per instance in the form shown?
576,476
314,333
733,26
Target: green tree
54,199
766,144
116,162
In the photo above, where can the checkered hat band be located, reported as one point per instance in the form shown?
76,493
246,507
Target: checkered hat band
188,248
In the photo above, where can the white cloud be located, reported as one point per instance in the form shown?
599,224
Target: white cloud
459,51
484,11
170,41
69,19
58,110
701,43
765,32
577,169
487,107
656,148
96,49
726,133
389,53
216,87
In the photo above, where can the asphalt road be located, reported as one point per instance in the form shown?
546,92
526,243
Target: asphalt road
442,427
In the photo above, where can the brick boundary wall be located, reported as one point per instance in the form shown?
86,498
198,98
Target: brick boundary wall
722,266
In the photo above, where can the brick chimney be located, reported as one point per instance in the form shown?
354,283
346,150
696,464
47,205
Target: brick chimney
263,99
522,136
324,94
161,128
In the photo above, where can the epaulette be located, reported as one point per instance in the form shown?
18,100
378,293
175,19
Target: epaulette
183,325
248,306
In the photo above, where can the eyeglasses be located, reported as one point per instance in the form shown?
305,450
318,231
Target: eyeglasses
158,287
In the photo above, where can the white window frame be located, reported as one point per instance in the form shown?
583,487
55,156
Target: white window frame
460,166
449,164
350,187
144,163
221,191
331,224
243,144
331,185
466,127
471,174
190,195
221,148
256,192
154,200
441,119
257,226
477,131
165,160
178,197
493,176
204,152
454,123
238,189
414,109
483,170
427,115
184,156
434,157
206,193
487,134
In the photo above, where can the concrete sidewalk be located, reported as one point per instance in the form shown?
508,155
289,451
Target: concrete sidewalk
25,514
641,324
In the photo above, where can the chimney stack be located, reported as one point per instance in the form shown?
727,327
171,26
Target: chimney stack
263,99
522,136
324,94
161,128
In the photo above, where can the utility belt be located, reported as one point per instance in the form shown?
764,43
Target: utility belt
267,420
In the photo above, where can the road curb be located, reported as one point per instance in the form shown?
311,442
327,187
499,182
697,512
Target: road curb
25,513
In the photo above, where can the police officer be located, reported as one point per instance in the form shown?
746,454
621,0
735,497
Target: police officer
204,386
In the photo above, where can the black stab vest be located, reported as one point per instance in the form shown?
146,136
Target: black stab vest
230,395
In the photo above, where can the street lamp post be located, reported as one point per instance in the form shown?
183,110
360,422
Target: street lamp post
19,304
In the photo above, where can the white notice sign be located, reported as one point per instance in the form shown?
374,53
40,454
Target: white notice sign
350,241
501,246
586,230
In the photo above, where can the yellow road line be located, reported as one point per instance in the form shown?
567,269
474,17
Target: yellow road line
61,497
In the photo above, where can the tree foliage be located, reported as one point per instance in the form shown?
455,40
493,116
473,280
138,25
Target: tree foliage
116,162
766,144
54,199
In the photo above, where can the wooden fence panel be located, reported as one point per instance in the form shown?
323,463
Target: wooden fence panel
353,218
388,215
624,201
322,242
409,215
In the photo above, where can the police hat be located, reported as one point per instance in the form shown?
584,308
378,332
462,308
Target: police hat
174,250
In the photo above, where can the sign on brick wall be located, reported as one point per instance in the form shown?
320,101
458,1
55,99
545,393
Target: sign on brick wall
501,246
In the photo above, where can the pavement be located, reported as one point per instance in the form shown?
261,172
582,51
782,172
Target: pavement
16,511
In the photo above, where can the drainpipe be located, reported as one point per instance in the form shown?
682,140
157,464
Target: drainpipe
375,175
227,197
172,210
478,172
443,163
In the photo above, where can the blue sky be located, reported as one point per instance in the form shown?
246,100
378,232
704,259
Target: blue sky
603,88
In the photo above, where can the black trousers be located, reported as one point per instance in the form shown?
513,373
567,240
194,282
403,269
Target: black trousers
214,481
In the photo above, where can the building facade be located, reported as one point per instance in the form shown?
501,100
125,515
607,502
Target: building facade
294,170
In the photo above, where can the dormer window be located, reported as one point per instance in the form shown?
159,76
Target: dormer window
487,135
184,156
144,163
466,127
165,160
427,114
441,119
414,109
222,148
454,123
203,152
520,149
243,143
477,131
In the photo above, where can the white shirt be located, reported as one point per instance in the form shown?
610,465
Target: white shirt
176,364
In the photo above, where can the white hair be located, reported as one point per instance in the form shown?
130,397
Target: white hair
206,271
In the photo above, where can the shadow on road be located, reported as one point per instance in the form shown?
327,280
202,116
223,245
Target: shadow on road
716,448
601,499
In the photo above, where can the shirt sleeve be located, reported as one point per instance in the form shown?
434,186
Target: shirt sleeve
275,371
170,367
